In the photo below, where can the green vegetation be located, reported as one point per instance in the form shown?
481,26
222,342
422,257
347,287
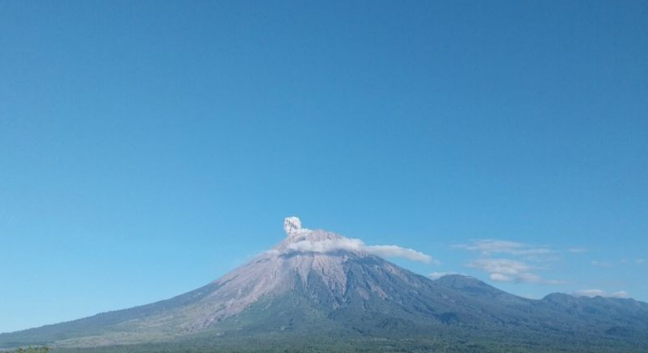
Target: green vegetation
42,349
315,344
453,315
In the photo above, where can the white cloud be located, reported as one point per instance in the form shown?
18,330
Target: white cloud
501,266
397,251
508,270
498,277
598,293
436,275
494,246
294,229
604,264
327,245
640,261
577,250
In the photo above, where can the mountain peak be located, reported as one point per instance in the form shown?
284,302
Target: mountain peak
461,282
320,281
303,240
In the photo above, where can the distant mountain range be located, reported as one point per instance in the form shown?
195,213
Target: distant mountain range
307,294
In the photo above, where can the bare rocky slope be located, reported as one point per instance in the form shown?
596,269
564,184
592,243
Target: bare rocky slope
319,284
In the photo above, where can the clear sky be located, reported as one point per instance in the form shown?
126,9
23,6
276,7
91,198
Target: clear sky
149,147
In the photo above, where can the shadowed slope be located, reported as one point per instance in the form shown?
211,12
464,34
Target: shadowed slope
318,281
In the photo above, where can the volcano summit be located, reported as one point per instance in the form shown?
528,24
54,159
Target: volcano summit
320,291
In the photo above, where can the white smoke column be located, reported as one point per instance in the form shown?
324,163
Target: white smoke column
294,231
293,227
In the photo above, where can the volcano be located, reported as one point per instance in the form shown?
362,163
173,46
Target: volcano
320,291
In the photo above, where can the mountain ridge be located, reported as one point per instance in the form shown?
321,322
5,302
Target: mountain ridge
315,280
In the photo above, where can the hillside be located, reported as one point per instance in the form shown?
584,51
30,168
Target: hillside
315,289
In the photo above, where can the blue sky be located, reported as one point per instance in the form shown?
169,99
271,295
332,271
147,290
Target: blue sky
148,148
